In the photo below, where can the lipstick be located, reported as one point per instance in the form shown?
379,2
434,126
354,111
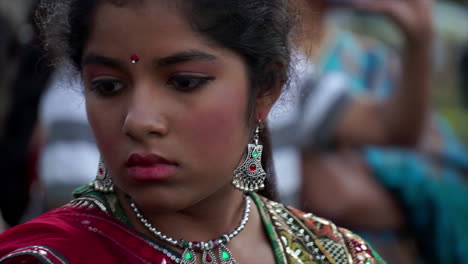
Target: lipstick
149,167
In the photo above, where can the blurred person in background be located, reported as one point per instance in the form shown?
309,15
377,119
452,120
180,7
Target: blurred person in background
415,186
24,77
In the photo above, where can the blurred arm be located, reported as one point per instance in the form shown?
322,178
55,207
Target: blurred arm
340,187
401,118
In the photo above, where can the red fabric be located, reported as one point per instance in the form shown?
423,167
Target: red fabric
81,236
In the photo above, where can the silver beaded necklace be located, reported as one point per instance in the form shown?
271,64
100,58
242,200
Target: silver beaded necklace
206,248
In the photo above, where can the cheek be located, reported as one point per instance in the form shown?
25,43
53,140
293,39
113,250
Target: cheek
104,123
220,126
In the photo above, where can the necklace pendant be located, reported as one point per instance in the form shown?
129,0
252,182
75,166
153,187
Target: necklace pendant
189,257
208,257
225,255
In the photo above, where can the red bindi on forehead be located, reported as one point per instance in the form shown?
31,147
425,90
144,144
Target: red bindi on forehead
134,58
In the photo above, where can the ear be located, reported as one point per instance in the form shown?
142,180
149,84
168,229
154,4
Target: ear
270,93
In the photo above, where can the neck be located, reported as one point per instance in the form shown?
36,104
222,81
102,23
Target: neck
208,219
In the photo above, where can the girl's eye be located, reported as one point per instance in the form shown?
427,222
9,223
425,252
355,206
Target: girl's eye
187,83
106,87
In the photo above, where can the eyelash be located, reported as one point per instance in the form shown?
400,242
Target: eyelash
183,83
98,87
192,82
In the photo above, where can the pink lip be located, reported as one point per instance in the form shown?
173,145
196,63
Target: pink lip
149,167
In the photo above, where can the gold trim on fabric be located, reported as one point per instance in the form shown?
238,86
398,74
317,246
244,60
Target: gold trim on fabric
266,215
315,238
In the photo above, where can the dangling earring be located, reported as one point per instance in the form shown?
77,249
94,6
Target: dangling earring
250,175
103,182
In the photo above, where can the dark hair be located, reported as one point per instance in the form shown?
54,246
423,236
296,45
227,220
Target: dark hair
257,30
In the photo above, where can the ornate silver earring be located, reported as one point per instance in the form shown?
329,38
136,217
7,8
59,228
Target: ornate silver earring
103,182
250,175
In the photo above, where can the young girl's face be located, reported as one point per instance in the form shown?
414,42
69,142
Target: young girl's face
172,126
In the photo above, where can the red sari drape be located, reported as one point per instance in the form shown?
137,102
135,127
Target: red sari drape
77,235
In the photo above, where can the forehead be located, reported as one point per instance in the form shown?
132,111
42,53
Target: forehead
141,28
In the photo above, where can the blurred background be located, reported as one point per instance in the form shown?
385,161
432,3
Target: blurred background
47,149
449,95
361,154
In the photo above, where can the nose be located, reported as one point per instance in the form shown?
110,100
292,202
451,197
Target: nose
145,118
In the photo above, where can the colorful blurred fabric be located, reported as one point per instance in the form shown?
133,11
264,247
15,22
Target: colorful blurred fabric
432,186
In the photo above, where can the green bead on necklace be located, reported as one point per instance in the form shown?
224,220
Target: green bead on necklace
225,255
188,256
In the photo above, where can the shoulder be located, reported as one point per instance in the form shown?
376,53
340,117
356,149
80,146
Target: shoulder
33,242
46,238
310,237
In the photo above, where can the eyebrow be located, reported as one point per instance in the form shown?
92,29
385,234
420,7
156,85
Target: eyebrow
180,57
184,56
105,61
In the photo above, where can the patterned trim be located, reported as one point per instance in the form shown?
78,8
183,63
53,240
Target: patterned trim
44,254
362,253
107,200
302,245
88,202
348,253
308,239
279,250
333,242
